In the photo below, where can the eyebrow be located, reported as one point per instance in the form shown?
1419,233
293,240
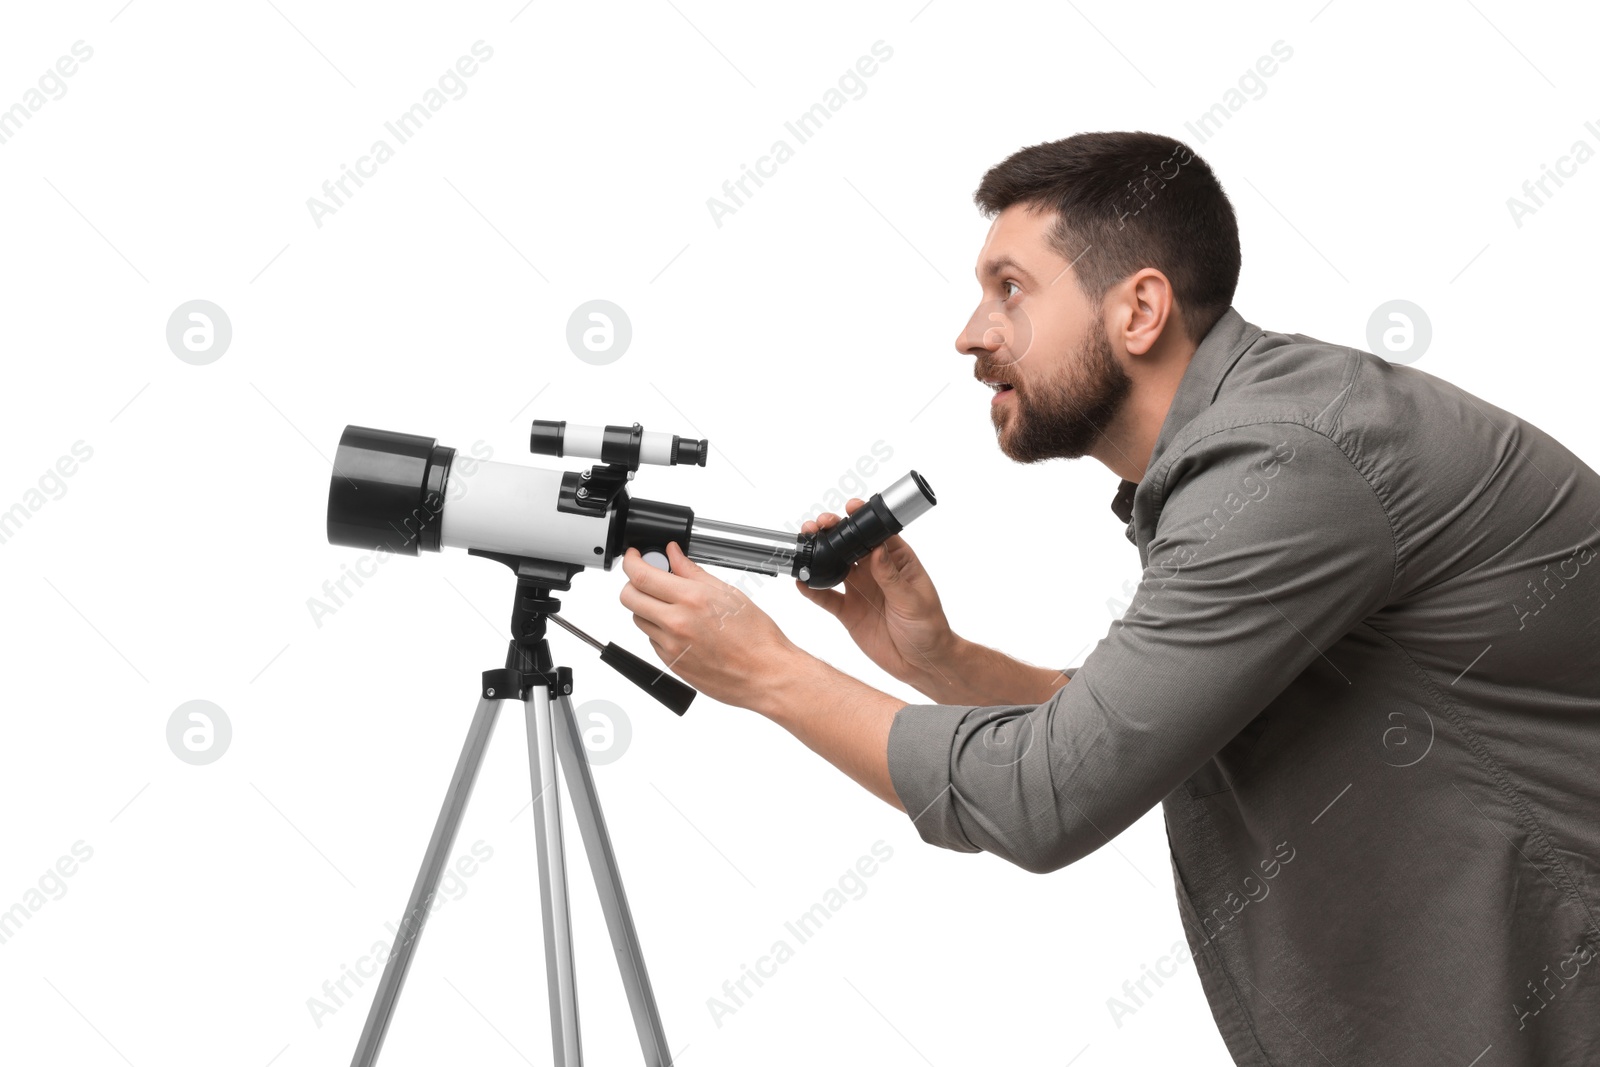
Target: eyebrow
999,264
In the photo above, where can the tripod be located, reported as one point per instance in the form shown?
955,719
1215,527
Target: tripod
545,691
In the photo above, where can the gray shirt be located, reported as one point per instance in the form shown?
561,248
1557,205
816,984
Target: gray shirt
1361,673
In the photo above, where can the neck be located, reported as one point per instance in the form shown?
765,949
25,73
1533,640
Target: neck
1127,443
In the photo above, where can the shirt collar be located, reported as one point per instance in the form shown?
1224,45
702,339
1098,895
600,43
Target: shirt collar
1216,354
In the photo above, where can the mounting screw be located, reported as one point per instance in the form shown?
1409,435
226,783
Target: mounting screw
582,492
488,692
566,689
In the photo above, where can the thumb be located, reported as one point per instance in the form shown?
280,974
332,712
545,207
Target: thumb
681,564
830,600
885,568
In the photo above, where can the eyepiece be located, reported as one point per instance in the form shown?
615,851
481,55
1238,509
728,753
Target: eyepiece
387,491
825,559
688,450
909,498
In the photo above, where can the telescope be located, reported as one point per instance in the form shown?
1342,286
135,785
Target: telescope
398,492
404,494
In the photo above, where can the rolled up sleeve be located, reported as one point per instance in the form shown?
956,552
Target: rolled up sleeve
1270,545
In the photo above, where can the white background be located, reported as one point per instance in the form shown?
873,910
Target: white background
818,319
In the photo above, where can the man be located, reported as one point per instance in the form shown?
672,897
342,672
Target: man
1361,671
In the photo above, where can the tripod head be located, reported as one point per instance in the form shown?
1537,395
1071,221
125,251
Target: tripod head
528,659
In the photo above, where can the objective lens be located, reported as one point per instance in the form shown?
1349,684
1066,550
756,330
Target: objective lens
387,491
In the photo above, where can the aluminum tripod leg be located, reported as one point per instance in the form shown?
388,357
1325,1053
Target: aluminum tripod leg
552,731
608,884
553,903
433,864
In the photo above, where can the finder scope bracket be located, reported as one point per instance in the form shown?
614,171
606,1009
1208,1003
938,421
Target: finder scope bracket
619,448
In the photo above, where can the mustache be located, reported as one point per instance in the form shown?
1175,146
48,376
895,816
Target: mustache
992,372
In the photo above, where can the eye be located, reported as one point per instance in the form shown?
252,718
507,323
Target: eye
1010,288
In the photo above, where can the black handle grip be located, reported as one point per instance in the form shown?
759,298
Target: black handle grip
649,677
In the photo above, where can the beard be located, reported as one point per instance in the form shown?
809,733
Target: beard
1063,415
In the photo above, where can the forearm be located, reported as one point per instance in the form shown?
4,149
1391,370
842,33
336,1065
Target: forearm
843,720
846,721
970,673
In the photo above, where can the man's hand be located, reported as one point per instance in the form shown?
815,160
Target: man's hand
709,633
715,639
892,612
889,607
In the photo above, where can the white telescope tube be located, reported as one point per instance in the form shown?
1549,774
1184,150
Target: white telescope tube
509,508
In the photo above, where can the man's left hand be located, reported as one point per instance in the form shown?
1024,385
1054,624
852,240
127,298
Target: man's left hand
706,631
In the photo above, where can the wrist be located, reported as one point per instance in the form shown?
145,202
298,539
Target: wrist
936,672
791,680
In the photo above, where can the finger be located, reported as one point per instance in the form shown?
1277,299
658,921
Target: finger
830,600
631,562
666,615
656,647
683,565
654,632
861,582
661,585
902,555
638,572
885,567
851,505
641,604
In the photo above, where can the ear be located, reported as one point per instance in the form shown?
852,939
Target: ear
1146,309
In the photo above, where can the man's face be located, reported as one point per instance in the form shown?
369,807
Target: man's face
1044,341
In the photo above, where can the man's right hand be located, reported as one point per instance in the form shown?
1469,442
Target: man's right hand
889,607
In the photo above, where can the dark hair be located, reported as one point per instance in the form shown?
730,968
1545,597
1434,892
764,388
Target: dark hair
1126,201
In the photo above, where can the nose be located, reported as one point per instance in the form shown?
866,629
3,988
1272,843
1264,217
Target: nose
982,334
